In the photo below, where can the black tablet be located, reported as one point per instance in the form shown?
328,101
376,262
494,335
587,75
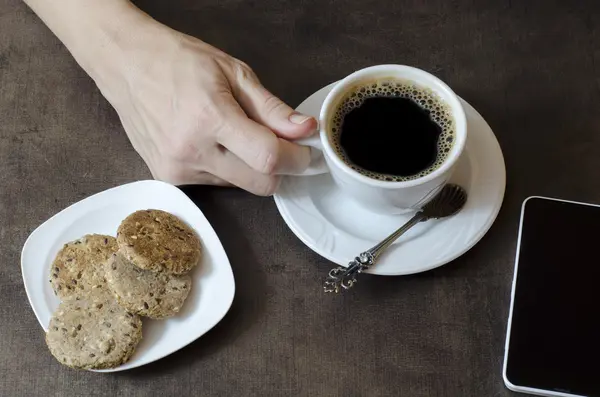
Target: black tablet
553,337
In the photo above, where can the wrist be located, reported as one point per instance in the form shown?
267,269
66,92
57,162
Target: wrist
98,33
104,39
124,51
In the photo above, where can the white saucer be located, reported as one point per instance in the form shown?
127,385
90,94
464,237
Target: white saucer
338,229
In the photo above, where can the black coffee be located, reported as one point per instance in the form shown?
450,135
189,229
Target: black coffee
393,130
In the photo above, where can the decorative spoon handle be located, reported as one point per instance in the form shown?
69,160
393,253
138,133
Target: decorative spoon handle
344,278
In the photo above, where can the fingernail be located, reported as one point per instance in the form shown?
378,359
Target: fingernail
298,118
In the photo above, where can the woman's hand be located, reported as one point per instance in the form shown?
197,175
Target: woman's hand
194,113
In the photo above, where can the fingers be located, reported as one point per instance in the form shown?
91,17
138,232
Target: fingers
266,109
258,147
291,158
232,169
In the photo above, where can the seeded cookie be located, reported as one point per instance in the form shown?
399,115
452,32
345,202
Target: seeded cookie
93,332
158,241
147,293
79,265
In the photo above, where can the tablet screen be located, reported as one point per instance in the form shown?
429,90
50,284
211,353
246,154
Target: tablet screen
554,337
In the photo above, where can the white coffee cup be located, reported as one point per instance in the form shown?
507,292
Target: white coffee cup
387,197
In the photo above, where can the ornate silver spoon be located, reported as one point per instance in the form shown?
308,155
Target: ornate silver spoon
450,200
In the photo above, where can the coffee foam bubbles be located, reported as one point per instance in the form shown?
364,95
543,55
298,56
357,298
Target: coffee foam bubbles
439,112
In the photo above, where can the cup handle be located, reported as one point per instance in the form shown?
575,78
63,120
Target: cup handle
317,160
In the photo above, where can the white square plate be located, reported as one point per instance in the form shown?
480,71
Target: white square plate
213,286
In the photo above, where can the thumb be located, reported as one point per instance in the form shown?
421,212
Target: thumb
265,108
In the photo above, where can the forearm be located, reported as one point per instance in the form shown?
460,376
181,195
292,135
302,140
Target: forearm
93,30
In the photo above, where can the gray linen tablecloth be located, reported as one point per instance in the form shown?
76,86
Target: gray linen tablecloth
530,67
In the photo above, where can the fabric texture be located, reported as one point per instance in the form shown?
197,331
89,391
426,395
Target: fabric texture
530,67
